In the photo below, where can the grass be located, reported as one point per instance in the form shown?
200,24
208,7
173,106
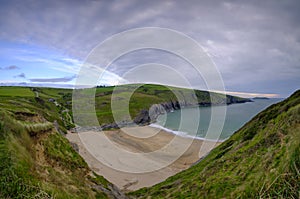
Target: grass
144,97
15,160
36,161
59,149
261,160
43,165
16,92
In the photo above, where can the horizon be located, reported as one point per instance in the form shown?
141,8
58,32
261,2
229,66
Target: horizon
72,87
255,45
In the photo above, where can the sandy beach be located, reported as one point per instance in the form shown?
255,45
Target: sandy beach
127,157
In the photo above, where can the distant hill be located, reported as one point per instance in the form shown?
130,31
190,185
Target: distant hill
261,160
147,95
140,102
262,98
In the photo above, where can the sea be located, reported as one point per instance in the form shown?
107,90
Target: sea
212,122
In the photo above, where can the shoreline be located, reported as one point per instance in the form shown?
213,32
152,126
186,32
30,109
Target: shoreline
184,134
140,140
153,125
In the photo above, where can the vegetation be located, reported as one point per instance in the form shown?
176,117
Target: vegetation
146,95
36,161
57,103
16,92
261,160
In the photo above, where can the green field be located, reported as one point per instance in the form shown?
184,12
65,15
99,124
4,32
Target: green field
146,95
16,92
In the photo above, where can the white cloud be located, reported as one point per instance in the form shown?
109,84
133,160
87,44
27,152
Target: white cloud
249,95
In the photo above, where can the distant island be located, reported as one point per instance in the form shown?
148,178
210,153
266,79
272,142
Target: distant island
260,98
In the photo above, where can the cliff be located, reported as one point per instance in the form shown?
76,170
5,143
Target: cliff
146,117
148,101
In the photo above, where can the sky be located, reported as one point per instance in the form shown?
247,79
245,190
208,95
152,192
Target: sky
255,45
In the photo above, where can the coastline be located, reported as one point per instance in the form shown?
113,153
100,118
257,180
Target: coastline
183,134
150,139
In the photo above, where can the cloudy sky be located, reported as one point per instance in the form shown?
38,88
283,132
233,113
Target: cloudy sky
254,44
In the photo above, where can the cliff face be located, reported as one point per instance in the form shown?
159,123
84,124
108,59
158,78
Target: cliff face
146,117
260,160
234,100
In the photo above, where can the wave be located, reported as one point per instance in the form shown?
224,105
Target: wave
183,134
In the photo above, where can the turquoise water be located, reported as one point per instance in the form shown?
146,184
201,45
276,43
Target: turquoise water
236,116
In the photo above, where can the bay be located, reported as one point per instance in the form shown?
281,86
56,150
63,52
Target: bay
183,121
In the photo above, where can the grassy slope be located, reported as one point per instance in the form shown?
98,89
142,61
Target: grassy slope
35,160
142,98
261,160
145,96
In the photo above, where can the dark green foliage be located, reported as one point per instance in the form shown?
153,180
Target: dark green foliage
59,149
99,180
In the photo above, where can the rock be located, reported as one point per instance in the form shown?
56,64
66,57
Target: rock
75,146
109,126
111,190
155,111
234,100
79,129
142,118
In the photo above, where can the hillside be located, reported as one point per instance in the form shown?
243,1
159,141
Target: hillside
146,95
36,160
261,160
140,102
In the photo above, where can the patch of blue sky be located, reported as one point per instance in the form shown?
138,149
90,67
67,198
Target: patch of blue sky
39,64
34,61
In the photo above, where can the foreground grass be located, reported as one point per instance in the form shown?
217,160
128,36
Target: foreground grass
261,160
36,161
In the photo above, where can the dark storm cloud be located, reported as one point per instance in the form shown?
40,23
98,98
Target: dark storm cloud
250,41
52,80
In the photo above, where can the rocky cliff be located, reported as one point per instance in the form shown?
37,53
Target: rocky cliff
146,117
